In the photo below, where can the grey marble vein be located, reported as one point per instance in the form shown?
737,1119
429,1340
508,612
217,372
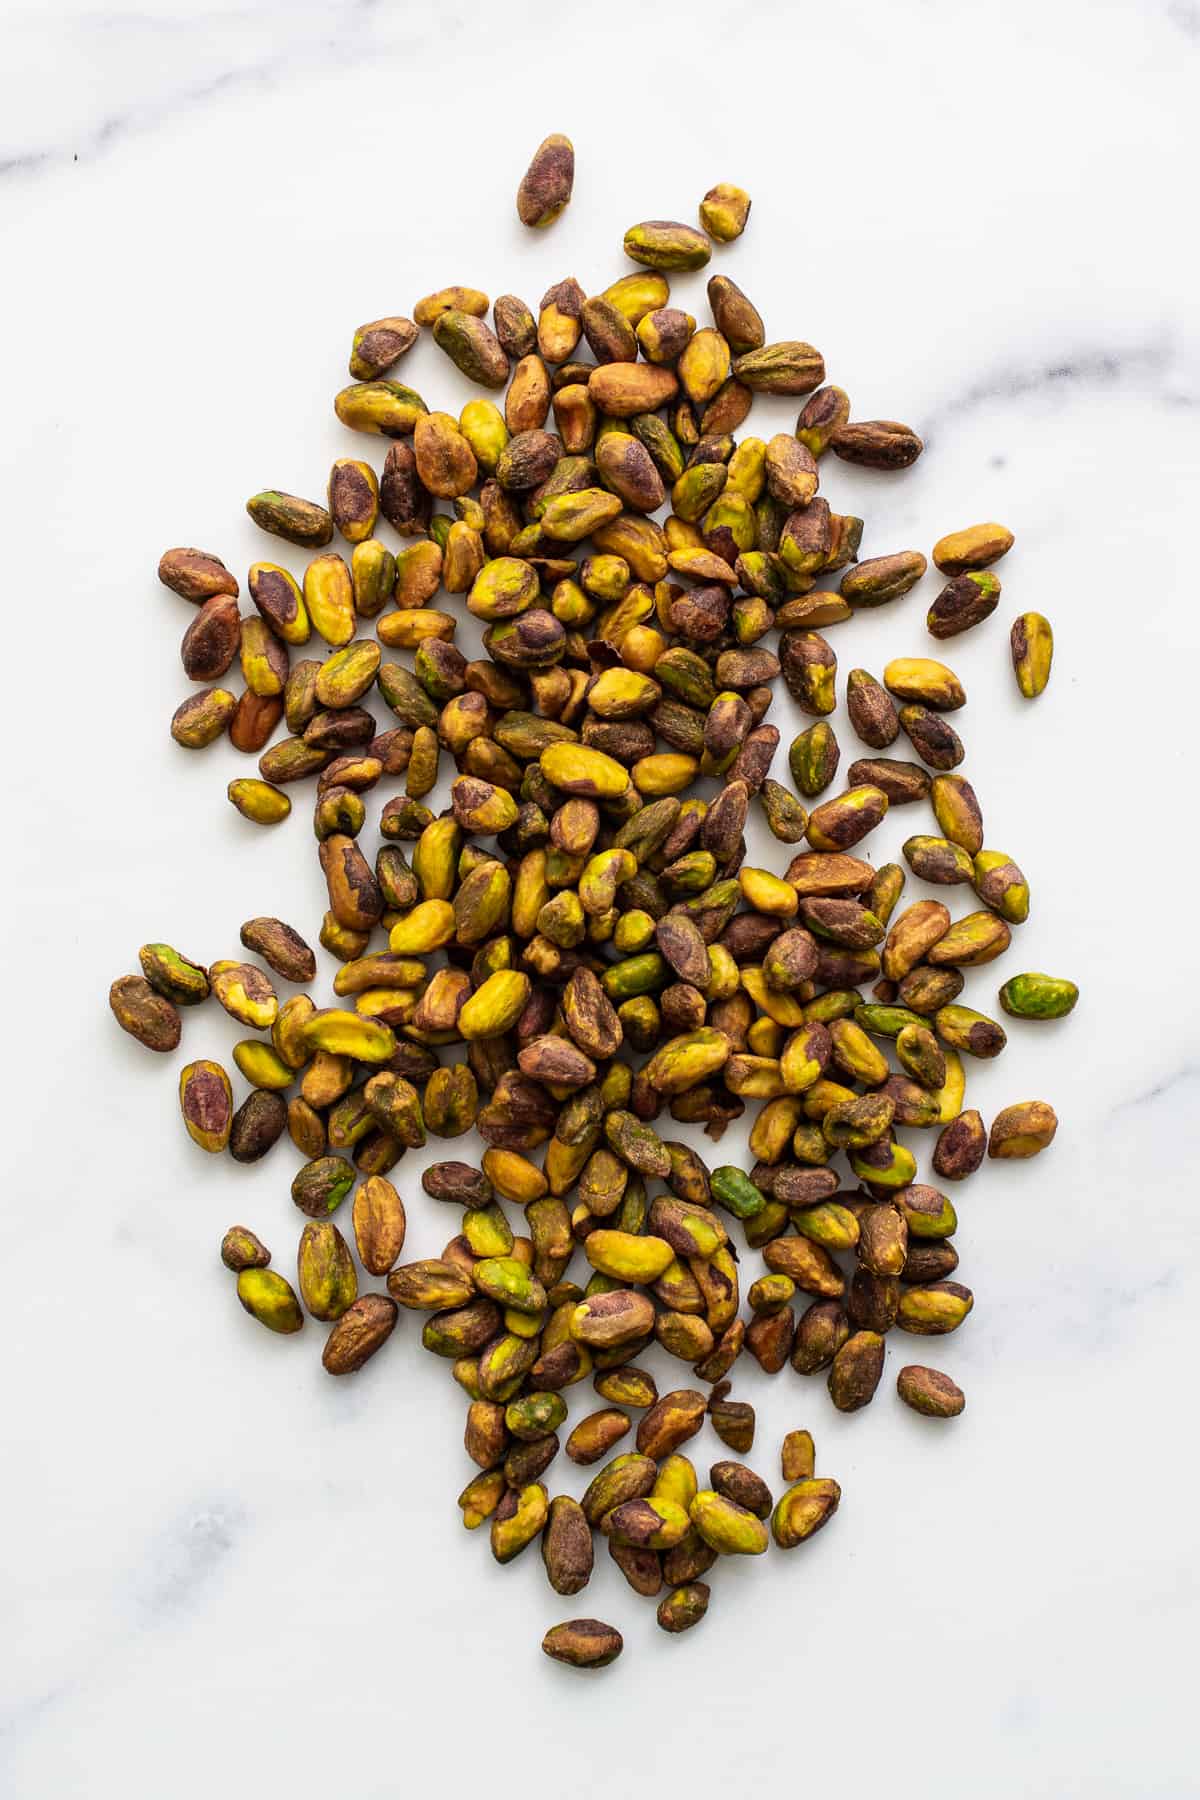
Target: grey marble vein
1150,363
309,41
1167,1084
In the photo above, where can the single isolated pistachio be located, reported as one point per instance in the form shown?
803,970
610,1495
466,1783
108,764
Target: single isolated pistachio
547,183
1032,644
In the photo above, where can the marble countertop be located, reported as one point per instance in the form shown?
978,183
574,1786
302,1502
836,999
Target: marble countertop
226,1572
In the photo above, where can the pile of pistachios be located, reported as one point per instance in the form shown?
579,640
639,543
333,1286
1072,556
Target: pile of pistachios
573,954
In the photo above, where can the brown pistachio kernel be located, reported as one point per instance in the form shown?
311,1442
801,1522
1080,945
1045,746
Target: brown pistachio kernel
684,1606
472,346
1022,1130
736,318
196,575
258,1123
515,326
284,949
583,1643
150,1017
871,709
567,1546
379,1225
932,737
362,1330
211,641
241,1249
546,184
820,417
964,602
930,1392
379,345
670,1422
783,368
856,1371
877,444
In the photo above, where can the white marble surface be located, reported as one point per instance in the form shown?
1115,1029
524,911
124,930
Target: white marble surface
224,1572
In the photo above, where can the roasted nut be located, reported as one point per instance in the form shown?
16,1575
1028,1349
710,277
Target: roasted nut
353,498
1022,1130
783,368
932,737
962,603
546,184
883,578
922,680
684,1606
624,389
1032,643
328,1285
820,417
934,1310
299,521
383,407
271,1300
202,718
284,949
809,668
472,346
837,824
329,599
937,860
379,345
211,641
930,1392
736,318
975,547
813,759
978,938
663,244
1033,996
241,1249
804,1509
872,712
321,1185
195,574
362,1330
567,1546
206,1102
877,444
583,1643
607,1320
856,1371
670,1422
729,1529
